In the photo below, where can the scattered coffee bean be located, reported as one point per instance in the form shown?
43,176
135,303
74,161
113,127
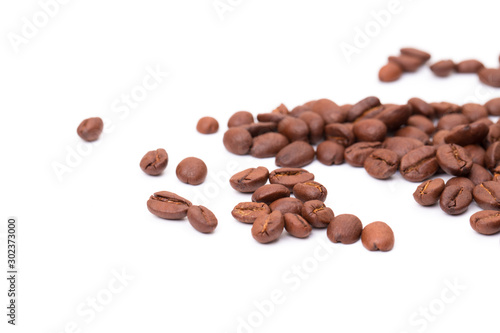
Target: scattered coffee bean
486,222
443,68
340,133
401,145
382,163
455,199
390,72
287,205
168,205
237,140
328,110
289,177
249,180
256,129
377,236
317,214
345,229
268,228
191,171
362,107
207,125
493,106
268,145
394,116
464,135
490,76
474,111
444,108
247,212
407,63
414,133
269,193
469,66
429,192
240,118
421,107
154,162
419,164
270,117
296,225
310,191
316,125
454,160
329,152
295,155
450,121
410,51
202,219
90,129
487,195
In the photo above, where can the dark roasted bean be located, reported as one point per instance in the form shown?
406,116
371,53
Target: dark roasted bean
202,219
269,193
316,125
297,226
247,212
487,195
454,160
423,123
428,193
462,182
268,228
249,180
340,133
364,105
295,155
455,199
479,174
289,177
317,214
401,145
464,135
345,229
419,106
419,164
168,205
356,154
310,191
414,133
370,130
287,205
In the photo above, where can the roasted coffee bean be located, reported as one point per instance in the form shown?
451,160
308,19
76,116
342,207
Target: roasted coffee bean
296,225
256,129
439,136
479,174
329,152
281,109
295,129
486,222
469,66
207,125
492,156
249,180
414,133
428,193
476,153
490,76
493,106
202,219
449,121
401,145
443,68
420,107
474,111
345,229
464,135
370,130
247,212
90,129
406,62
289,177
340,133
455,199
317,214
422,123
298,110
394,116
356,154
328,110
168,205
269,193
310,191
191,171
295,155
454,160
377,236
410,51
154,162
268,228
390,72
240,118
462,182
316,125
419,164
361,107
237,140
444,108
487,195
270,117
382,163
287,205
268,145
493,134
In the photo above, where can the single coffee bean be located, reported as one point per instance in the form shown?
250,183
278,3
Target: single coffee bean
394,116
382,163
474,111
476,153
361,107
281,109
202,219
191,171
486,222
421,107
270,117
493,106
454,160
490,76
464,135
401,145
422,123
462,182
295,155
410,51
240,118
329,152
268,145
269,193
439,136
370,130
289,177
479,174
168,205
487,195
377,236
256,129
310,191
247,212
455,199
414,133
407,63
237,140
268,228
207,125
443,68
449,121
340,133
328,110
419,164
444,108
469,66
296,225
316,125
90,129
295,129
249,180
345,229
428,193
287,205
493,134
317,214
492,156
390,72
356,154
154,162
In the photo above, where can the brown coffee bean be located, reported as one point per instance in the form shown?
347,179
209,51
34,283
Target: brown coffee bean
486,222
462,182
455,200
345,229
168,205
410,51
289,177
370,130
394,116
328,110
476,153
439,136
191,171
287,205
340,133
469,66
361,107
295,129
474,111
269,193
407,63
401,145
310,191
90,129
270,117
237,140
202,219
443,68
490,76
444,108
382,163
329,152
454,160
449,121
493,106
420,107
419,164
492,156
356,154
479,174
464,135
256,129
422,123
281,109
240,118
390,72
268,145
296,225
316,125
298,110
207,125
295,155
317,214
249,180
247,212
487,195
268,228
428,193
493,134
154,162
377,236
413,132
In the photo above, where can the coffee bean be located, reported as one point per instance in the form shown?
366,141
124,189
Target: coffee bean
298,110
281,109
237,140
394,116
269,193
310,191
356,154
420,107
287,205
443,68
490,76
377,236
370,130
316,125
207,125
407,63
329,152
492,156
268,228
202,219
317,214
419,164
382,163
390,72
247,212
256,129
361,107
191,171
455,199
268,145
295,129
422,123
296,225
493,134
487,195
469,66
289,177
439,136
345,229
401,145
340,133
240,118
474,111
493,106
486,222
154,162
428,193
414,133
464,135
410,51
462,182
449,121
270,117
328,110
479,174
249,180
90,129
444,108
454,160
295,155
476,153
168,205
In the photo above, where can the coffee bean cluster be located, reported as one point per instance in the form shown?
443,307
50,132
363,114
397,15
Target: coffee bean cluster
409,61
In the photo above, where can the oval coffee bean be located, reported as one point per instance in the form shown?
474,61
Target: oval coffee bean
487,195
370,130
240,118
345,229
469,66
476,153
294,129
419,164
452,120
401,145
455,199
390,72
479,174
268,228
474,111
287,205
237,140
464,135
443,68
490,76
191,171
297,154
207,125
168,205
310,191
268,144
154,162
382,163
202,219
462,182
454,160
296,225
249,180
356,154
362,107
247,212
316,125
90,129
377,236
429,192
421,107
269,193
289,177
329,152
444,108
422,123
317,214
394,116
328,110
486,222
493,106
406,62
410,51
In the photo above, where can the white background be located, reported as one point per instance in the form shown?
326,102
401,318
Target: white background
74,233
